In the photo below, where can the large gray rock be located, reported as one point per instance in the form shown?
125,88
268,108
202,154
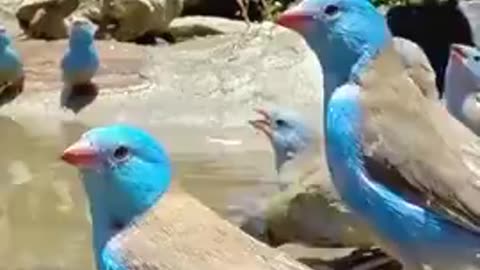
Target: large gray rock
45,18
135,18
211,81
191,26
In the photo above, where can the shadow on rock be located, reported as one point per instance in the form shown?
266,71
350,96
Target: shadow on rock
372,259
151,39
79,96
11,91
433,26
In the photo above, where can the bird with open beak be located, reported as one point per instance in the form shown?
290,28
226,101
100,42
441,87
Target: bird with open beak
286,131
307,209
399,161
462,85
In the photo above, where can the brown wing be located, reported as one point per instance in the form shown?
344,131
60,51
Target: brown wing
413,143
418,66
181,233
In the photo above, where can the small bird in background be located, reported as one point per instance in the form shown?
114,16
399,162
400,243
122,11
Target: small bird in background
462,85
11,66
81,61
287,132
308,209
398,159
124,172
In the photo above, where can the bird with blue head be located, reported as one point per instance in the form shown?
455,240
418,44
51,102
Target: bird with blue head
81,61
288,134
397,159
462,85
307,209
124,171
342,43
11,66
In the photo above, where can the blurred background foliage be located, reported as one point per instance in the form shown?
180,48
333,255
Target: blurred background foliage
274,7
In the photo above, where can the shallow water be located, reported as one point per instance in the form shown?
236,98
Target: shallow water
44,221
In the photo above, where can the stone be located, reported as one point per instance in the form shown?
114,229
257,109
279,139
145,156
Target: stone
225,8
45,19
219,77
251,10
132,19
191,26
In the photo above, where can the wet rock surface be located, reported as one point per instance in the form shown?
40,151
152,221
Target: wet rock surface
45,19
218,78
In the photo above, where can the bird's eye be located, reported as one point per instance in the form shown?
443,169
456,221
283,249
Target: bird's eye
280,122
331,10
476,58
121,152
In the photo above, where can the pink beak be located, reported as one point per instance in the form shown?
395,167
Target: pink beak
265,124
80,154
296,18
457,52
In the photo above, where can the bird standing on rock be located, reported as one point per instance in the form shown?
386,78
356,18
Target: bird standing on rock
11,66
399,160
125,171
309,208
81,61
462,85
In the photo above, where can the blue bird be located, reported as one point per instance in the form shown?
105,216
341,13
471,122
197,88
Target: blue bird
81,61
11,66
125,172
462,81
400,161
308,208
287,132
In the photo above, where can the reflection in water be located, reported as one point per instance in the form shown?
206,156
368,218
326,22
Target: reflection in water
44,220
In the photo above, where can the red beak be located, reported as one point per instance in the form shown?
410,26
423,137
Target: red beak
457,52
81,154
265,124
296,18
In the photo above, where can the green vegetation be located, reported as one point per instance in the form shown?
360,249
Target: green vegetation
274,7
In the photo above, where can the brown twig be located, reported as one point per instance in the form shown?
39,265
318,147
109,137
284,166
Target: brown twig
244,5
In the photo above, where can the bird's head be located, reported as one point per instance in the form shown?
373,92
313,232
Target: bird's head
82,32
5,39
287,131
339,31
467,57
124,170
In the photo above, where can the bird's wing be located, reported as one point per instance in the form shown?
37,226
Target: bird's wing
414,146
181,233
418,66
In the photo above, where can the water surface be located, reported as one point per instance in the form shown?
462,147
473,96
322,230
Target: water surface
44,221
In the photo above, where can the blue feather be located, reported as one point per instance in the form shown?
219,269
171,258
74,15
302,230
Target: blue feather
81,61
411,230
130,172
11,66
346,35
